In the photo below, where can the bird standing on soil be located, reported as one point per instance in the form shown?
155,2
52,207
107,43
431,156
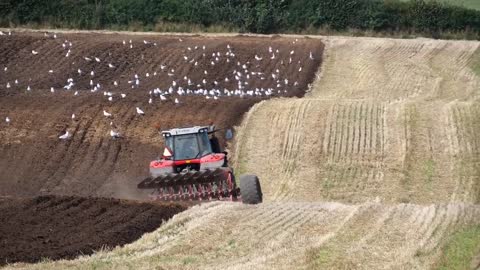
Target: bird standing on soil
73,116
65,136
107,114
34,52
114,134
7,119
139,111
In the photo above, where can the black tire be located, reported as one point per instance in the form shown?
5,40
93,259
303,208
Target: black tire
250,189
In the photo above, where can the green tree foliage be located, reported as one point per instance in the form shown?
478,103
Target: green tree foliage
258,16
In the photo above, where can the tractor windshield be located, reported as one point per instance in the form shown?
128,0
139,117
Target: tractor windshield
189,146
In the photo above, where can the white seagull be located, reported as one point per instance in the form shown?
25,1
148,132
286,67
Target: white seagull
114,134
65,136
139,111
107,114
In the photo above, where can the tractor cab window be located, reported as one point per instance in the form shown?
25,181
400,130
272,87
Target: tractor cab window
189,146
205,145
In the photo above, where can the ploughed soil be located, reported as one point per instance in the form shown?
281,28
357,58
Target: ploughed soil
74,177
65,227
35,162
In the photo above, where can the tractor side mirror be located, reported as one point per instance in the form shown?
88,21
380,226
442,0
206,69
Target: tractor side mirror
229,134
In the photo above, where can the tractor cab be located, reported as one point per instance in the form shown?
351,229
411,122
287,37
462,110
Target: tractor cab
190,143
189,149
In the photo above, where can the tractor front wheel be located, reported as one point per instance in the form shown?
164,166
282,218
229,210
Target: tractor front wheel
250,189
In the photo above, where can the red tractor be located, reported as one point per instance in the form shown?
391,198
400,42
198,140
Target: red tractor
194,168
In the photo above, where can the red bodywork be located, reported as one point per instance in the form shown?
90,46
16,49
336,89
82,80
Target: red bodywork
212,158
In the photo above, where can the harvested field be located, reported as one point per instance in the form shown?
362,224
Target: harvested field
389,119
286,235
91,163
50,227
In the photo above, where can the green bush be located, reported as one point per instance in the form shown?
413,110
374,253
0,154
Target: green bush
261,16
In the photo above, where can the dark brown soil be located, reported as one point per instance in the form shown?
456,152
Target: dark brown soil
65,227
35,162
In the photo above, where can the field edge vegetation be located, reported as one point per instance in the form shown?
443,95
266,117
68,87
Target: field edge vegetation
461,250
358,17
475,63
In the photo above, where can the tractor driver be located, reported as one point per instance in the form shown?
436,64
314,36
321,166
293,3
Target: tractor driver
188,148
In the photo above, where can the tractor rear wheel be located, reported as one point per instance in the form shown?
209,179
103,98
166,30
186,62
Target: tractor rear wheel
250,189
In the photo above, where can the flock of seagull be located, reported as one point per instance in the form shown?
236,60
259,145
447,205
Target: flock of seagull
244,76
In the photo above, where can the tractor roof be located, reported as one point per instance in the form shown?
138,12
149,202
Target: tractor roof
184,131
